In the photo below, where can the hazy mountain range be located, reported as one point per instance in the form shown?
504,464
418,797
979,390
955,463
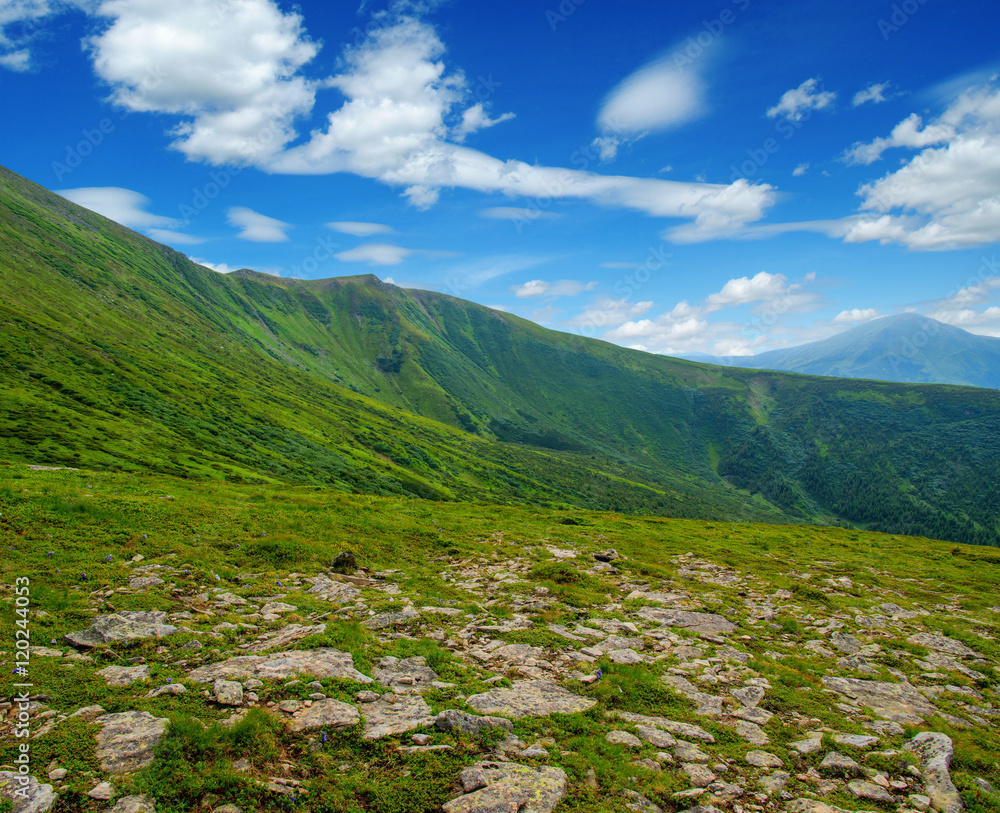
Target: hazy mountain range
906,347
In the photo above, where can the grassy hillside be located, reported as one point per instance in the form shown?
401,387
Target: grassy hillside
121,353
489,596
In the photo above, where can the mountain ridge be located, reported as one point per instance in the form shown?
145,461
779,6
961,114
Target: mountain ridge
115,341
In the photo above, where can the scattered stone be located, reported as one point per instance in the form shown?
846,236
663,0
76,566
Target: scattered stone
774,782
856,740
228,692
750,696
809,745
608,555
169,688
505,786
845,642
655,736
124,675
640,803
706,623
893,701
699,775
623,738
397,715
288,634
134,804
980,783
935,751
405,676
103,792
764,759
326,713
836,764
123,626
685,730
530,698
624,656
127,740
941,643
142,582
689,752
277,608
324,662
395,619
32,796
752,733
57,774
455,720
870,791
813,806
344,562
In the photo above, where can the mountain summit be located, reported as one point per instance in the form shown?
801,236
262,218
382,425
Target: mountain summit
906,347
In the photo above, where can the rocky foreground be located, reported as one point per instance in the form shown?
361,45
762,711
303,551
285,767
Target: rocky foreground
763,699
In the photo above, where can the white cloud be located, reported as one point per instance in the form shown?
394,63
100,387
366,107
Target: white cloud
796,103
18,61
908,133
763,287
124,206
227,67
171,237
874,93
516,213
20,21
856,315
385,254
563,287
375,254
476,118
800,170
235,82
222,268
946,196
359,229
257,227
659,96
606,313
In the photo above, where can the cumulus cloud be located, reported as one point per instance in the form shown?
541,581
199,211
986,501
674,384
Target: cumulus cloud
257,227
686,328
874,93
857,315
948,195
796,103
359,229
222,268
227,68
563,287
908,133
19,23
800,170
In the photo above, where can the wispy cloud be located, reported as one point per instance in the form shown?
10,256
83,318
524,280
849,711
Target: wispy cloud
796,103
360,229
563,287
256,227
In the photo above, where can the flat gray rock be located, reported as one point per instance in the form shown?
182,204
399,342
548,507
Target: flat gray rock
396,619
283,637
845,642
455,720
123,626
870,791
656,737
764,759
336,592
127,740
124,675
134,804
327,713
835,764
814,806
534,698
684,730
935,752
142,582
899,702
324,662
941,643
396,716
228,692
749,696
752,733
707,623
497,787
405,675
30,796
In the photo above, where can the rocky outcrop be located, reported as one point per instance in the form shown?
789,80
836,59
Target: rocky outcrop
496,787
322,663
123,626
127,740
530,698
935,752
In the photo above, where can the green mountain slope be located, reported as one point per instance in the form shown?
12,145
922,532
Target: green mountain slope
906,347
121,353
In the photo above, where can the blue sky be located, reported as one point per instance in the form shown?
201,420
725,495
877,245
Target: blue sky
718,177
